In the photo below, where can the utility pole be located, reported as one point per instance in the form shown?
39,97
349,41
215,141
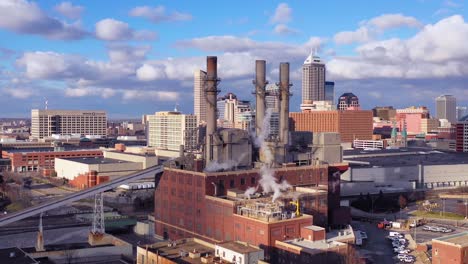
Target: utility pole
443,214
466,209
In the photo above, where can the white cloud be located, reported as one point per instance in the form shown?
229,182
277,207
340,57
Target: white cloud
69,10
149,73
283,14
436,51
347,37
127,53
90,91
369,29
158,14
19,93
389,21
26,17
150,95
115,30
282,29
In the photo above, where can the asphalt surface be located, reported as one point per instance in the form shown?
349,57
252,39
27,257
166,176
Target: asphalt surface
377,248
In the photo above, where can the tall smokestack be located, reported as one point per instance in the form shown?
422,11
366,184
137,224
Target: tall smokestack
211,93
284,97
260,83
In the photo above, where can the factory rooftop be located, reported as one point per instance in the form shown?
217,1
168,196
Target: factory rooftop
410,157
49,149
460,240
96,160
179,251
314,247
239,247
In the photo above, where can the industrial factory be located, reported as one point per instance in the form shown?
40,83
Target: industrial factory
267,188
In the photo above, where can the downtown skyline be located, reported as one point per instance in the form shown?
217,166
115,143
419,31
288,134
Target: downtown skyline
138,58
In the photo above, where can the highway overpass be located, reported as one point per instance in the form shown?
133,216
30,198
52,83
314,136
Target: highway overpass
155,171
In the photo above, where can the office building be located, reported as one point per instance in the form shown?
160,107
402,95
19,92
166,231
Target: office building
416,119
199,103
43,159
348,101
350,124
384,112
330,91
461,135
462,111
169,130
272,97
45,123
450,249
446,108
313,80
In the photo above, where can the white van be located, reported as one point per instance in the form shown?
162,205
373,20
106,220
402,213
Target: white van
394,234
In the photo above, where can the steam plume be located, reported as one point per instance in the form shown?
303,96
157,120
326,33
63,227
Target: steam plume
268,181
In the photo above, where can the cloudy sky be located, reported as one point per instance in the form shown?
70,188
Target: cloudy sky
137,57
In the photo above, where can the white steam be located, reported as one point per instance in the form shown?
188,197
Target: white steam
268,180
227,165
250,191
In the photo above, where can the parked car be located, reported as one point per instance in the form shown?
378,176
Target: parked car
409,259
401,256
393,234
403,251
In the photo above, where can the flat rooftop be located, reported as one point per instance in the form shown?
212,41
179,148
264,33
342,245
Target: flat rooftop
391,158
314,247
187,245
49,149
460,239
314,228
239,247
15,255
96,160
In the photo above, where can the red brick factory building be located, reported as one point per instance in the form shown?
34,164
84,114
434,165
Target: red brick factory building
240,190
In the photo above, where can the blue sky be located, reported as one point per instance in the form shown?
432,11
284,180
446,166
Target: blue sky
132,58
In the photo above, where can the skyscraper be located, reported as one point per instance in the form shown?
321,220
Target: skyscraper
313,80
330,91
446,108
199,104
348,100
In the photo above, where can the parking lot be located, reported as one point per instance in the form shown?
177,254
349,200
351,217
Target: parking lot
422,236
376,248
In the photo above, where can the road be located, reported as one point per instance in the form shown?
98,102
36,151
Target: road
377,248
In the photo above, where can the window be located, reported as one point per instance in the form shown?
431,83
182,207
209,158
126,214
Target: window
252,180
242,182
231,184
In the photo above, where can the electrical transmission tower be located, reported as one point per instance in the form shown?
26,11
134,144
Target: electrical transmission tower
98,215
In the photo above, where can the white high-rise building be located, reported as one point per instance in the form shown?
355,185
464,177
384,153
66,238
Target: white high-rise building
169,130
446,108
45,123
272,98
199,103
313,80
